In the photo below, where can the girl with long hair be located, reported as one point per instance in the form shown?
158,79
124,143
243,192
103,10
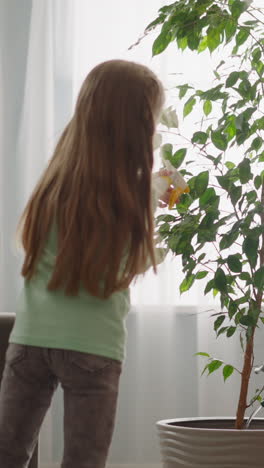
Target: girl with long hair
87,232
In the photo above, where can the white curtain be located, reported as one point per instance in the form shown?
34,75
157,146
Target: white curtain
47,48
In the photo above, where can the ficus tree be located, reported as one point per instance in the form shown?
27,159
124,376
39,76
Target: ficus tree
224,211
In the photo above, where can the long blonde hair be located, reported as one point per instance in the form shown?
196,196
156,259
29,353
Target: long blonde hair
97,186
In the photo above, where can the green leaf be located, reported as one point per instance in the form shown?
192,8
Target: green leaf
227,371
208,220
220,64
237,8
184,203
207,107
261,157
213,38
202,354
230,29
183,90
238,316
166,218
161,42
182,42
250,22
242,300
247,320
199,137
188,106
187,283
228,240
230,332
203,45
259,278
216,74
245,171
209,286
166,151
235,194
220,280
165,227
219,140
234,263
169,118
250,248
218,322
257,143
201,182
245,88
178,157
166,9
201,257
256,54
224,182
193,40
201,274
257,181
173,242
214,365
212,94
259,124
221,331
230,129
161,18
232,79
235,50
230,165
240,121
208,197
242,36
249,112
260,68
245,276
251,196
206,234
205,368
232,308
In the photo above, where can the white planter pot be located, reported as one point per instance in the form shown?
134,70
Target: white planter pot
211,443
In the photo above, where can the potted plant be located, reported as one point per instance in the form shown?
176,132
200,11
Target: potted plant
218,227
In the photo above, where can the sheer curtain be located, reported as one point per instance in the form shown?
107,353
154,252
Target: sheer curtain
36,102
47,48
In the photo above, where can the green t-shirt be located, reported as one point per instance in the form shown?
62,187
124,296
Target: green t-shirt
79,323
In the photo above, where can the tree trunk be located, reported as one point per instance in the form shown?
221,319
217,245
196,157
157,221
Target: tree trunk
247,368
242,404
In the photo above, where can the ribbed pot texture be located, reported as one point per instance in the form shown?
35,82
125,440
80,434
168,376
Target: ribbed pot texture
211,443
